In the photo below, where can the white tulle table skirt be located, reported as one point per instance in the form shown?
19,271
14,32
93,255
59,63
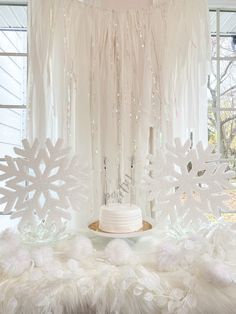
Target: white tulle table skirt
170,271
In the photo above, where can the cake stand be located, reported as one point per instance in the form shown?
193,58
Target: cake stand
148,226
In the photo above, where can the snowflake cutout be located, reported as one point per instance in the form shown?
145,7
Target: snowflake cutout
188,183
42,184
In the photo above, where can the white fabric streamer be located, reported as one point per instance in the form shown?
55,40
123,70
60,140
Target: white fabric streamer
100,78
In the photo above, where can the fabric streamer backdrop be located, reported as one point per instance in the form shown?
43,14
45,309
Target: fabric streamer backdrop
100,78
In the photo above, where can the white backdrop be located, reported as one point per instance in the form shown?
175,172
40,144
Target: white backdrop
101,77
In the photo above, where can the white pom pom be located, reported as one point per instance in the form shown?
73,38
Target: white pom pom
215,272
17,263
81,247
167,257
118,252
42,256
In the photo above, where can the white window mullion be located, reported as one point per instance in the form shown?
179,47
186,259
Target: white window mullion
13,54
218,80
13,106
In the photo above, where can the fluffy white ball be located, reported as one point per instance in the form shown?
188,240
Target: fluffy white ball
118,252
81,247
167,256
16,264
42,256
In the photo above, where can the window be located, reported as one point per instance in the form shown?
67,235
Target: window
222,87
13,76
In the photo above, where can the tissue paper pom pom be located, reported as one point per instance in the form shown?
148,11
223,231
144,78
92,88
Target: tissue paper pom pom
167,257
16,264
118,252
215,272
42,256
81,247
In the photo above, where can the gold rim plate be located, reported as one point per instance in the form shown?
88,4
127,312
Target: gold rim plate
94,227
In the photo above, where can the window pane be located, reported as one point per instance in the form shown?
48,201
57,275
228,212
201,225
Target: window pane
232,193
13,41
14,16
228,133
212,84
228,84
13,23
13,80
228,46
213,46
228,33
212,104
212,128
12,130
212,22
212,17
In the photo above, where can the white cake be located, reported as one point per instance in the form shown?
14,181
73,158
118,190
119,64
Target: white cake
120,218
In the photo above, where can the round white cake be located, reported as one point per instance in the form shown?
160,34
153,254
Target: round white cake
120,218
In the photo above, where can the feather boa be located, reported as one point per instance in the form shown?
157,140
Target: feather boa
170,272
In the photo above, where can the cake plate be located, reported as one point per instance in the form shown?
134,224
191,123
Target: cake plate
148,226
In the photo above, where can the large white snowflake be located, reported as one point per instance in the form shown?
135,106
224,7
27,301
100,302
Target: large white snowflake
187,183
42,184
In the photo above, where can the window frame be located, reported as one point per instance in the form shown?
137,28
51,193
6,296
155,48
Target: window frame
218,60
14,54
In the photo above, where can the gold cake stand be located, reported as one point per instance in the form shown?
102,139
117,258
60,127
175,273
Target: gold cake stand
148,225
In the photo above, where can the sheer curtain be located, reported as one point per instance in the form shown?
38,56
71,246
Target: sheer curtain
100,77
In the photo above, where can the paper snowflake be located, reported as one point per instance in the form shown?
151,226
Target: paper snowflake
188,183
41,185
